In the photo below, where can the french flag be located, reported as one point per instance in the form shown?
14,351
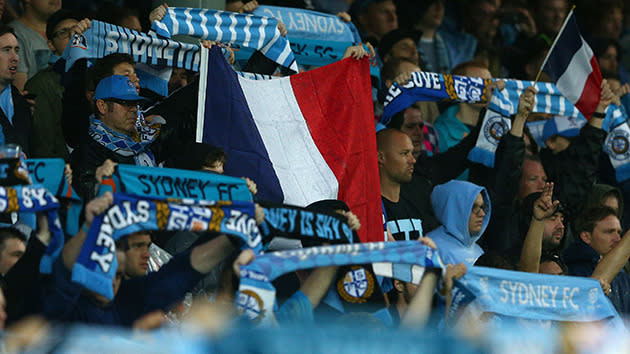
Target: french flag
301,138
573,67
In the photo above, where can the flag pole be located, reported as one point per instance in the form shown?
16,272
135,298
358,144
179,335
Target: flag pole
566,20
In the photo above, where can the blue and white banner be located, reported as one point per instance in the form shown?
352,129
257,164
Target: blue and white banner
256,297
316,38
154,182
159,54
50,174
96,264
529,296
426,86
244,30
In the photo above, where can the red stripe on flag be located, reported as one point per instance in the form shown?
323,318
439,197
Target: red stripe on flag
589,99
336,102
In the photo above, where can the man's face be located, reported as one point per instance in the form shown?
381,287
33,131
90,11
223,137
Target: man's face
8,58
216,167
550,267
532,180
131,22
61,35
605,236
485,23
550,15
434,15
119,116
13,249
611,25
413,126
405,48
380,18
137,255
608,60
127,70
44,8
396,159
553,231
475,221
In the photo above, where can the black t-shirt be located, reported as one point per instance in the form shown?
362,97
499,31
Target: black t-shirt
403,219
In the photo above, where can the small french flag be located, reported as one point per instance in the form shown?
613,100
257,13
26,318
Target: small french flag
572,66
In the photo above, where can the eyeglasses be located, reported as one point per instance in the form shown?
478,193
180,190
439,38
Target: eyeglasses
122,102
478,208
63,33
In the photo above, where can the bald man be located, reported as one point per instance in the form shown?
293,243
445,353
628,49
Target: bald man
395,166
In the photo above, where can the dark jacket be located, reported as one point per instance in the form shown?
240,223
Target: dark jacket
581,260
18,132
66,300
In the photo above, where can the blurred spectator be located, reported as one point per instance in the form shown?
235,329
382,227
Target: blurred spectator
549,16
422,134
374,18
12,247
30,29
121,16
602,18
398,44
47,133
179,78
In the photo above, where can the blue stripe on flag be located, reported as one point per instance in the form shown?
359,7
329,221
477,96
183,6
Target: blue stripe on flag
567,45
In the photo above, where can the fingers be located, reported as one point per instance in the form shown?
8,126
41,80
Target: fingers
282,28
373,53
250,6
243,259
251,185
500,84
105,170
259,214
82,26
67,172
207,44
344,16
428,242
158,13
97,206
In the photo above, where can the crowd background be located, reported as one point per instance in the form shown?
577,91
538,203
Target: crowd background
551,204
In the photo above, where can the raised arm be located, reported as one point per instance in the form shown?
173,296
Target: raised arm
544,208
611,264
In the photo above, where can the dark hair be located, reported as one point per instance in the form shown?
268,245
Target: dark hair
7,233
115,14
461,69
197,155
4,29
554,257
495,260
388,72
56,18
587,220
104,67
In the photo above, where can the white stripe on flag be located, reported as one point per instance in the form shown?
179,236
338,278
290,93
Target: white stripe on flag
201,95
303,173
572,81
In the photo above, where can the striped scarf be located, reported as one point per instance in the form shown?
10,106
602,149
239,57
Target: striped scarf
243,30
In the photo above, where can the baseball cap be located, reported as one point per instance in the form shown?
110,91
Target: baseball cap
117,87
567,127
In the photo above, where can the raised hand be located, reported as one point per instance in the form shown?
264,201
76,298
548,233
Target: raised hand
544,207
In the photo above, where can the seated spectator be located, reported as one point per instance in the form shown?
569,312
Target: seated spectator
463,209
398,44
30,30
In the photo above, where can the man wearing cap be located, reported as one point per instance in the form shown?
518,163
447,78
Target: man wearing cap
112,134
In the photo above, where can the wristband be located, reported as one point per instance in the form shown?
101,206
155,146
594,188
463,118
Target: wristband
599,115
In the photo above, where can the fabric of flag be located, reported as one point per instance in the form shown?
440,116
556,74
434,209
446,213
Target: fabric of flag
301,138
246,30
573,67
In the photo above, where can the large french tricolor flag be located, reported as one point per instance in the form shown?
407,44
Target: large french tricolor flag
573,67
301,138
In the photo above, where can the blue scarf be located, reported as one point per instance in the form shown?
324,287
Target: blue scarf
35,199
299,223
96,265
50,174
426,86
156,182
243,30
122,144
159,54
256,295
529,296
316,38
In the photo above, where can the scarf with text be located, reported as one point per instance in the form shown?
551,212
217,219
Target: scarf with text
527,296
242,30
96,265
33,199
256,296
154,182
123,144
50,174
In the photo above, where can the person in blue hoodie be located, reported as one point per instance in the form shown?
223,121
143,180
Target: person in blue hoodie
463,209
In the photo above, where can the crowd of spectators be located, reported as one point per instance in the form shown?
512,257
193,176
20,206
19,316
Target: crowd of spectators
555,208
